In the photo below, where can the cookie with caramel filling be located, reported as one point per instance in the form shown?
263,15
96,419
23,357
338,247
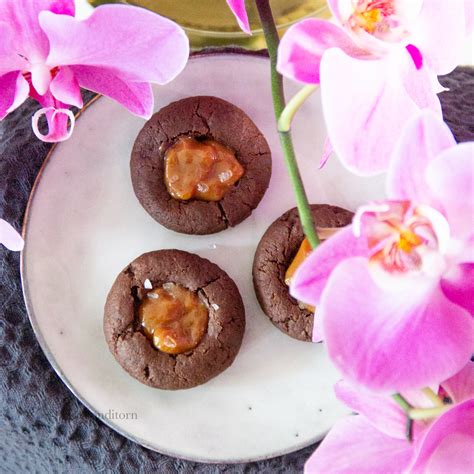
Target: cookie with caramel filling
280,251
173,320
200,165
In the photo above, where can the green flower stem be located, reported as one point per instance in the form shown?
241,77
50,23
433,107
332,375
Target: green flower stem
295,103
409,429
427,413
272,39
428,392
420,413
406,407
402,402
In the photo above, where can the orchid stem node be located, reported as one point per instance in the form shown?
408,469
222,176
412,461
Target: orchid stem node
295,103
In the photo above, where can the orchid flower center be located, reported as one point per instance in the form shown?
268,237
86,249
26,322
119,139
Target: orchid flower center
372,15
402,237
386,20
39,76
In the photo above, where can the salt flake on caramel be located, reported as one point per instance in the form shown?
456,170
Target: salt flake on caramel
173,318
203,170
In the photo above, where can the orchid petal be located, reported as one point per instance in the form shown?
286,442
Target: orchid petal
240,12
376,98
448,443
416,55
28,39
58,120
303,45
65,87
442,52
424,137
318,335
354,446
380,410
62,7
469,15
137,97
458,285
366,217
334,7
408,10
40,77
134,42
417,398
327,152
10,237
9,42
450,177
460,387
392,340
14,91
437,86
420,84
311,277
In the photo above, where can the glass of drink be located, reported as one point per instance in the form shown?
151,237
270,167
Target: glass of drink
211,23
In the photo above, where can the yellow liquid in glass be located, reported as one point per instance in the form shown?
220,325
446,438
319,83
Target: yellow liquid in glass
211,23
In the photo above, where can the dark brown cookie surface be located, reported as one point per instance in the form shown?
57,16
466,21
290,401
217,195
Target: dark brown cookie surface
136,353
274,254
200,117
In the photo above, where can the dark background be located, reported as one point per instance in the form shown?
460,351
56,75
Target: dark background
43,428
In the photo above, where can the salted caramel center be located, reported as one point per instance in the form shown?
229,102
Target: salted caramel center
200,169
174,318
304,250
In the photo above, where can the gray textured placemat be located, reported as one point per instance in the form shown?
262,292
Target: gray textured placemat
43,428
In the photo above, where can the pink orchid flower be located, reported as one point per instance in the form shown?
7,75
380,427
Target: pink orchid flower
394,292
9,237
374,441
49,55
240,12
377,64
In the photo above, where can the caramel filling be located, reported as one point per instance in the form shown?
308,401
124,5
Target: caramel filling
173,318
203,170
305,249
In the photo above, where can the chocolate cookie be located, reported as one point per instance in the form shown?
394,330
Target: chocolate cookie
202,118
274,254
134,350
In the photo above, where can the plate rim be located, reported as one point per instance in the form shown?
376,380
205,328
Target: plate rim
262,54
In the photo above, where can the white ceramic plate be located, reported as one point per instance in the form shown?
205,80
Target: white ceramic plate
84,225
